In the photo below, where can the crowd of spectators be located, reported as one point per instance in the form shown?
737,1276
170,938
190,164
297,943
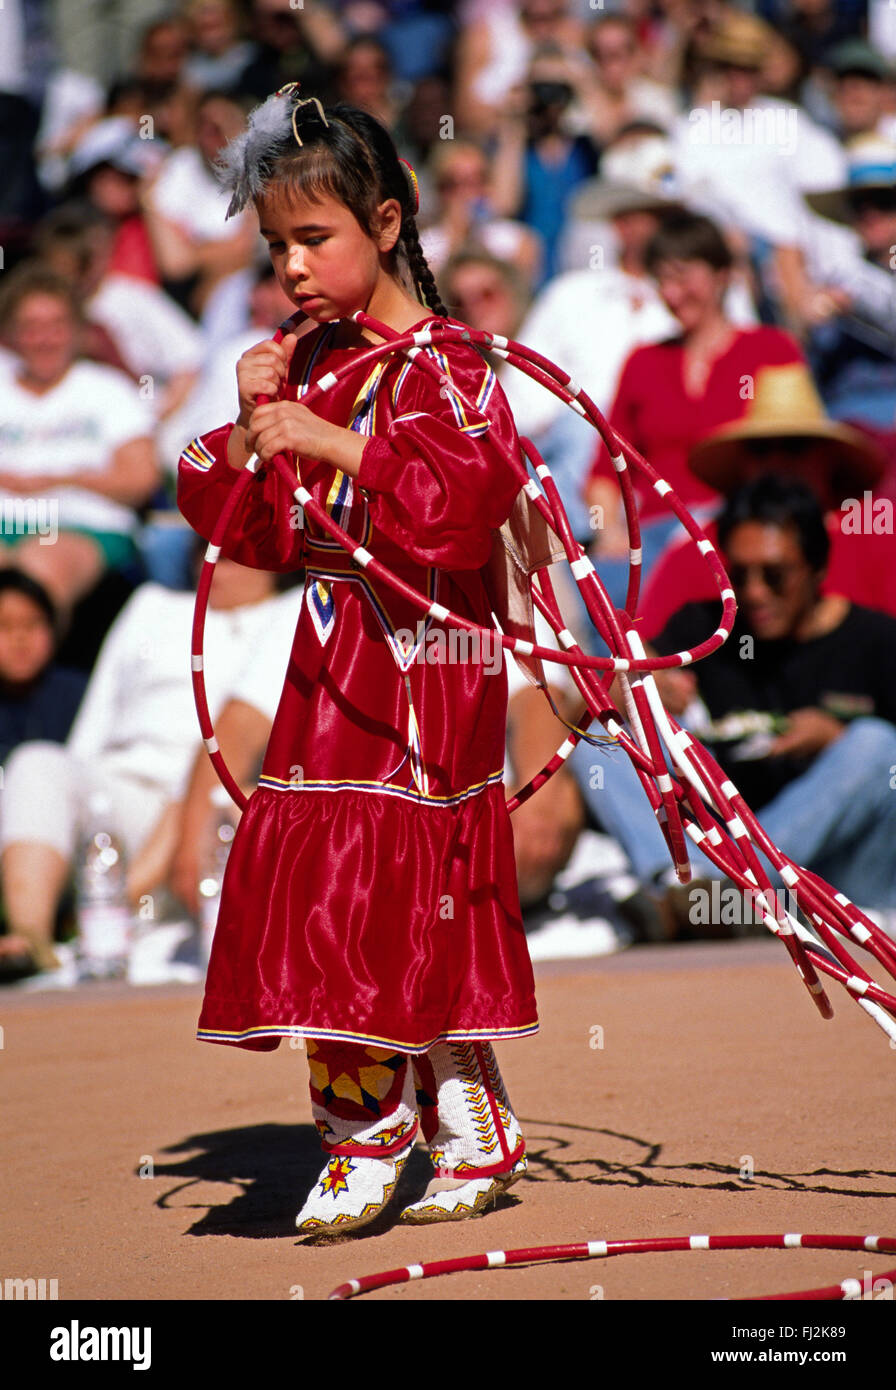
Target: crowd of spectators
689,205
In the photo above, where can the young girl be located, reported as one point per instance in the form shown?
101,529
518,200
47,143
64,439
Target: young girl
370,903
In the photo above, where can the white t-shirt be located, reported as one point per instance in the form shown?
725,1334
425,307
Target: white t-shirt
748,168
153,334
213,400
138,712
188,194
77,425
587,322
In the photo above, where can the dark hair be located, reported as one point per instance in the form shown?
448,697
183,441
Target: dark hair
233,98
363,41
639,126
783,502
71,227
13,581
354,160
686,236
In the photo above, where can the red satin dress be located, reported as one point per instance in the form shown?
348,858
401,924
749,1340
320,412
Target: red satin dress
370,895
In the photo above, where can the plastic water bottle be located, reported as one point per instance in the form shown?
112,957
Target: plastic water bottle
105,921
215,849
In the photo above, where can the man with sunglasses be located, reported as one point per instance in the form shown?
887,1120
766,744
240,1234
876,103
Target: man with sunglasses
799,705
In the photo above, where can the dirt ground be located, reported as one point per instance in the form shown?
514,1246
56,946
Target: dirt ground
671,1091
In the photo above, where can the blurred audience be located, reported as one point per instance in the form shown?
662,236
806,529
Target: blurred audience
860,94
464,212
38,698
164,355
199,252
851,344
105,170
798,707
76,448
614,304
294,43
744,158
622,93
497,42
487,293
540,159
134,741
219,51
364,78
554,141
672,393
785,429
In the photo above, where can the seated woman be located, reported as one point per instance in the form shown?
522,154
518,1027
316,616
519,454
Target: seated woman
76,452
672,393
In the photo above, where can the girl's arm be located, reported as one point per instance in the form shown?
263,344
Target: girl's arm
438,481
266,529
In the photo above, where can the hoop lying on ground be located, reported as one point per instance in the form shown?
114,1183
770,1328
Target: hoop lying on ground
700,801
603,1249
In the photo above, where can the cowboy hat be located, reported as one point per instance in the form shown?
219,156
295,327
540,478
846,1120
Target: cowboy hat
785,408
871,166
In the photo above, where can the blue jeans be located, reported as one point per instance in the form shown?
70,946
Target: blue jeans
838,819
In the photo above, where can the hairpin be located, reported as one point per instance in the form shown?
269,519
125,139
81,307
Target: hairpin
308,101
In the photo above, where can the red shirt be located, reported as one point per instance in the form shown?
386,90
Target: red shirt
132,252
654,412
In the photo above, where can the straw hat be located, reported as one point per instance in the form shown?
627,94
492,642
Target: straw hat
871,165
737,38
786,406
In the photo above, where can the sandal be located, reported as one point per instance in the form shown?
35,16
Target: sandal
30,958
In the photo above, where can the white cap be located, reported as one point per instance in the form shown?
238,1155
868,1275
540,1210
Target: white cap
115,141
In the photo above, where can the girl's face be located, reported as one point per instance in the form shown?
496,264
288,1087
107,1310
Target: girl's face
324,261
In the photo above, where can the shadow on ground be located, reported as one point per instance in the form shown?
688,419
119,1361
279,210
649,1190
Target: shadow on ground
268,1171
611,1158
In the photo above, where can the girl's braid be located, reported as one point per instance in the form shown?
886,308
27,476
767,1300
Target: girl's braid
422,275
